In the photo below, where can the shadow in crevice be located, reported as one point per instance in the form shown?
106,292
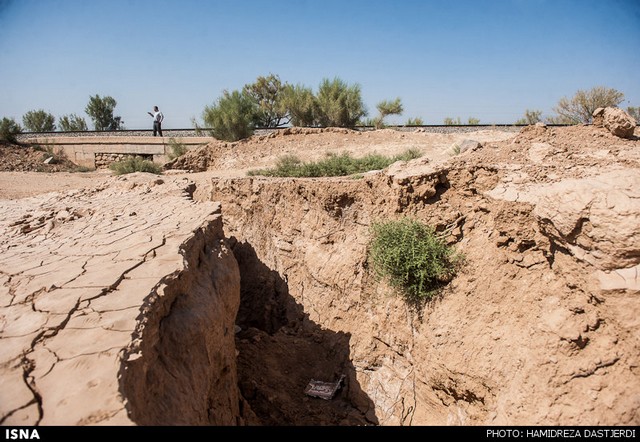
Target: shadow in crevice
281,350
441,188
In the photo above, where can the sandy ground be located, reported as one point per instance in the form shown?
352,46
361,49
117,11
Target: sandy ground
229,160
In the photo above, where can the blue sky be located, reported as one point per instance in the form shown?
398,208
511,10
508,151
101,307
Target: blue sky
485,59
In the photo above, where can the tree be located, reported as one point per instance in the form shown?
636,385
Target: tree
72,123
39,121
473,121
415,122
101,112
268,93
386,108
580,108
300,104
530,117
634,112
451,122
9,129
339,104
232,117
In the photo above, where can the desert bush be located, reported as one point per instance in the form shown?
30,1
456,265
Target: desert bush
72,123
268,93
101,112
83,169
333,165
634,112
471,121
39,121
177,149
386,108
448,121
415,122
530,117
300,104
232,117
339,104
413,259
580,108
9,129
135,164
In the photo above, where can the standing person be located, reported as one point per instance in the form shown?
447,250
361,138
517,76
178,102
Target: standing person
157,120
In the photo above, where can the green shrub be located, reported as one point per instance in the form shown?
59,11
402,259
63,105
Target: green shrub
412,258
387,108
83,169
301,105
232,117
135,164
72,123
268,93
415,122
339,104
9,129
177,149
333,165
39,121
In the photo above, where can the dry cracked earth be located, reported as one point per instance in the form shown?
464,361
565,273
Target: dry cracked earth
214,298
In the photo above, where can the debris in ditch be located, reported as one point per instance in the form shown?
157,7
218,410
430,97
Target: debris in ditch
323,390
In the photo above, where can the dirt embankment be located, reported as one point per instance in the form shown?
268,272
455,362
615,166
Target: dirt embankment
537,328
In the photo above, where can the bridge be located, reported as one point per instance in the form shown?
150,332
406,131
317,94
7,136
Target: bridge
99,151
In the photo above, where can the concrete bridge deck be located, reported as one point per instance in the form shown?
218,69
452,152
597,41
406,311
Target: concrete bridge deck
85,150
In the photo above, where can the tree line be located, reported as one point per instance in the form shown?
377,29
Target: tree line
271,103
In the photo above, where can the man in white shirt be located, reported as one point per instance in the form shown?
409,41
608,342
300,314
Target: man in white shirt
157,120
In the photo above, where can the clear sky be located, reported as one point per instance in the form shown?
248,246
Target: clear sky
488,59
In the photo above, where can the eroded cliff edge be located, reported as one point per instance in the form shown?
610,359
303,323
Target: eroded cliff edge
118,307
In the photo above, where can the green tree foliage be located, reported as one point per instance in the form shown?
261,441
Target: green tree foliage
9,129
268,94
415,122
232,117
412,258
39,121
339,104
300,104
101,112
530,117
386,108
634,112
72,123
580,108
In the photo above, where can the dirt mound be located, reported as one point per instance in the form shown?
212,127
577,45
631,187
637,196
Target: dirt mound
536,329
29,159
311,144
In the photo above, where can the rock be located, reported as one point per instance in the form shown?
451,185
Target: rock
618,122
598,117
469,145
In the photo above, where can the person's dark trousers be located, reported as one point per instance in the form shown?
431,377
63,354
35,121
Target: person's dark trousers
157,127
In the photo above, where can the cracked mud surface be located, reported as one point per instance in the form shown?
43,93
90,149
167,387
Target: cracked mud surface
74,272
